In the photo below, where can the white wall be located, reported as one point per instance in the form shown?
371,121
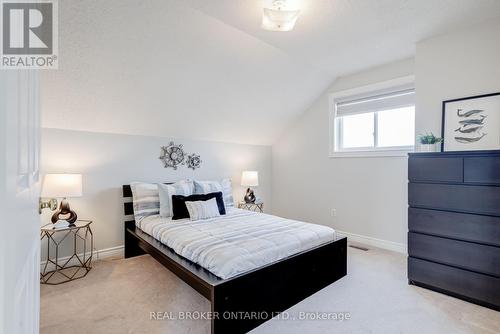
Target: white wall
108,161
459,64
369,194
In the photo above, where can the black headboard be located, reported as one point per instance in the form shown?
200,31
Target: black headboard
128,208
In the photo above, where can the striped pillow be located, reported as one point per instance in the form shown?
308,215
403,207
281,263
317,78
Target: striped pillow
146,201
207,187
184,188
203,209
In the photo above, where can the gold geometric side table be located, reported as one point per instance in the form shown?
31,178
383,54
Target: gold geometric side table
77,236
257,207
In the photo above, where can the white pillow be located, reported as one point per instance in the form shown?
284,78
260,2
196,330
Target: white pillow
202,209
207,187
183,187
146,201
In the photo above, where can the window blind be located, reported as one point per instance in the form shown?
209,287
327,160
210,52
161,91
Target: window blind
376,101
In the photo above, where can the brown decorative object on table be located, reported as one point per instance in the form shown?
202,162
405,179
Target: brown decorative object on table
250,179
64,211
249,196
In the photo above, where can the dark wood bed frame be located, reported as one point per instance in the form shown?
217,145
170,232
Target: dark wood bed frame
266,291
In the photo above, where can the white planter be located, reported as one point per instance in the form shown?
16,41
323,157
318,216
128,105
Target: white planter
429,147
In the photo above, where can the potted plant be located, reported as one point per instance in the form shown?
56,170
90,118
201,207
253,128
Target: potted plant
428,142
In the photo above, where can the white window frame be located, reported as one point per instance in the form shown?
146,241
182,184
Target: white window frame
335,137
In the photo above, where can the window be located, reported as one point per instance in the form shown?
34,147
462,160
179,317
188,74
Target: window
380,120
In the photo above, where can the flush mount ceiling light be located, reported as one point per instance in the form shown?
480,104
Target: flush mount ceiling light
279,18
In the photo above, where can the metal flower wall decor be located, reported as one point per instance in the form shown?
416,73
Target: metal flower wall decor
173,155
193,161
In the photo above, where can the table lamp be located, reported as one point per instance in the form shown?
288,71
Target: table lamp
250,179
62,186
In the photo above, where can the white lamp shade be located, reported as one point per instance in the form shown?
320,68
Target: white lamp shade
250,178
62,185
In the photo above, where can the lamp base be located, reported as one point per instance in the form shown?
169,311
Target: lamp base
64,211
249,196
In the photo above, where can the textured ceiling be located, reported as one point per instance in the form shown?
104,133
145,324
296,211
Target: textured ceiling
205,70
345,36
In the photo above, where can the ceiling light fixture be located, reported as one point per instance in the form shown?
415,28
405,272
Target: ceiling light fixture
279,18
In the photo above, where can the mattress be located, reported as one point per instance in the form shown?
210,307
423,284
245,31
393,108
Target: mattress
237,242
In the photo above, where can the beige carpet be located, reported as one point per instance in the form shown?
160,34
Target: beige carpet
117,296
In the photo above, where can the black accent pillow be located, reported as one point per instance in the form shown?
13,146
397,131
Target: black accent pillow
180,210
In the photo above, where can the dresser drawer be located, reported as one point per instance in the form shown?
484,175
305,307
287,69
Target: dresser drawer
482,289
461,198
467,227
482,170
435,169
466,255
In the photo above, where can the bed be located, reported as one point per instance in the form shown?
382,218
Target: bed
254,285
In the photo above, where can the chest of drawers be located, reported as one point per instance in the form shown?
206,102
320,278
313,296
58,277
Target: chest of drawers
454,224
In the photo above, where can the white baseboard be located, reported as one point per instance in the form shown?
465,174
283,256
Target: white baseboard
100,254
107,253
384,244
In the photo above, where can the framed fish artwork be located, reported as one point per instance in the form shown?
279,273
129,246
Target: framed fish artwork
471,123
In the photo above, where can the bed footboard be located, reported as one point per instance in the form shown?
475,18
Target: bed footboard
246,301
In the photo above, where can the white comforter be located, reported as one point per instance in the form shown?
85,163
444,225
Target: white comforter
237,242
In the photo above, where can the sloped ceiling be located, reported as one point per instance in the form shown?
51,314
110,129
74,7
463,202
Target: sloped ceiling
346,36
205,70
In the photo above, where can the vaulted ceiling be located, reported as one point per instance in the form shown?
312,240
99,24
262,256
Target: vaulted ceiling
205,70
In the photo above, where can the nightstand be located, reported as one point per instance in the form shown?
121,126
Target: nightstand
77,237
257,207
